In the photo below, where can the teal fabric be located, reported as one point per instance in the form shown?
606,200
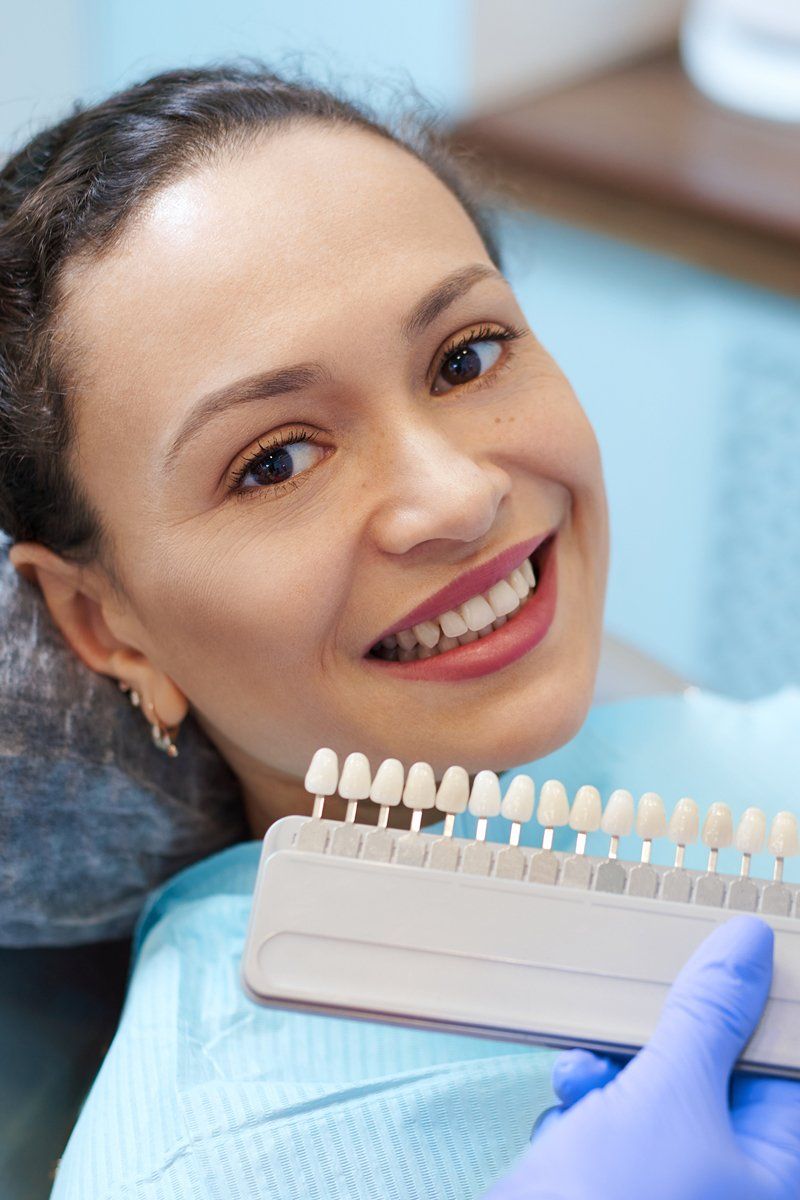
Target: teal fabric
206,1095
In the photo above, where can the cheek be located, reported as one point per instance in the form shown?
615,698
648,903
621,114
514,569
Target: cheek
244,614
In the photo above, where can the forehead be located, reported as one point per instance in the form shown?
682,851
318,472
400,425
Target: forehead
302,225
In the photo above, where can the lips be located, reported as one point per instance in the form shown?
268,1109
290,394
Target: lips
473,582
500,648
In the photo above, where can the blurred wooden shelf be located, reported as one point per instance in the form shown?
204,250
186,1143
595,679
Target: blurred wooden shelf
641,154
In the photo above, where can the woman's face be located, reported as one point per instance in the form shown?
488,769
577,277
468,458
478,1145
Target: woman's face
405,464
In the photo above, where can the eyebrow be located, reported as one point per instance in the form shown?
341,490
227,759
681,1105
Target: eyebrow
300,376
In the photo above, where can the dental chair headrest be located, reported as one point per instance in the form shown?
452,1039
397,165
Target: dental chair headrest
92,814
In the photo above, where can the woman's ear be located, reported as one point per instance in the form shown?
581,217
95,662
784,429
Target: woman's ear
98,631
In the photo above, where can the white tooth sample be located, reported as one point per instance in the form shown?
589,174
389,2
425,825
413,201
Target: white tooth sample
484,800
354,782
387,786
323,772
617,819
751,831
407,639
502,598
321,777
651,821
453,624
419,792
452,795
519,583
553,810
586,811
517,805
684,825
447,643
477,613
585,814
783,841
427,632
718,827
466,638
717,832
528,573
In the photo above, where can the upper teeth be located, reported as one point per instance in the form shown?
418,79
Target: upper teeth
474,618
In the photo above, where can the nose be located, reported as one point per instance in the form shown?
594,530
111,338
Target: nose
435,491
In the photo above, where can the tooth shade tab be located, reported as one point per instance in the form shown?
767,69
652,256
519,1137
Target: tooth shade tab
586,810
355,780
420,787
322,775
477,613
684,824
783,839
751,831
453,624
553,810
517,803
651,820
617,819
452,796
387,786
484,799
718,827
502,599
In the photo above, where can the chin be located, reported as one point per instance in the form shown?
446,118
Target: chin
539,719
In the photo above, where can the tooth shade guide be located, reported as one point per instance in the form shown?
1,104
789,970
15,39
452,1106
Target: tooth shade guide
651,823
617,819
717,833
585,815
517,806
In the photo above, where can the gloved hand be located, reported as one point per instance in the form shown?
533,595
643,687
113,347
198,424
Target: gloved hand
667,1125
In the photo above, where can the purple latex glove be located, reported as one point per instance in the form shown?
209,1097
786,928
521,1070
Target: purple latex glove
669,1124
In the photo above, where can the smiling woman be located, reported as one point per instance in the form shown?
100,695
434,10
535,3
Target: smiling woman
221,286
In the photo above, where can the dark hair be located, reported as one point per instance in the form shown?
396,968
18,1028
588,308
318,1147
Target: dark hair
70,191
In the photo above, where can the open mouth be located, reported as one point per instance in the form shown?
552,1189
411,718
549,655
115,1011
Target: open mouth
475,619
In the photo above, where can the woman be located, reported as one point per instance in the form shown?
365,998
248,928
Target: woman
265,394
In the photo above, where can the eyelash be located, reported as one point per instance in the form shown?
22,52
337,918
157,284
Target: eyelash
484,333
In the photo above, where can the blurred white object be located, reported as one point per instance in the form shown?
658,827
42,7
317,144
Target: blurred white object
520,47
745,54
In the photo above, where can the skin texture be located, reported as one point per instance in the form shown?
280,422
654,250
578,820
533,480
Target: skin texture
255,611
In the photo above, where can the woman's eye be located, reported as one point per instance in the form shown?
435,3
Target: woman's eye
469,361
277,464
